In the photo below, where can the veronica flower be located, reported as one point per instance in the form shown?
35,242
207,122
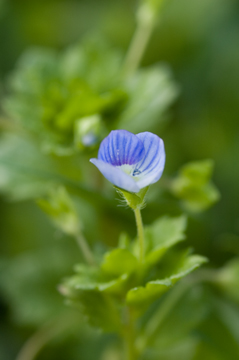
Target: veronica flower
131,162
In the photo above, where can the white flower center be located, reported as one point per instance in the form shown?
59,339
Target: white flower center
131,170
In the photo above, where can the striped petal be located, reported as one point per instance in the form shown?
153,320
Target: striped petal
152,164
121,147
116,176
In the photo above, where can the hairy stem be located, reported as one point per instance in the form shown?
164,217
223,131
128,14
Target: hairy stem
86,251
140,231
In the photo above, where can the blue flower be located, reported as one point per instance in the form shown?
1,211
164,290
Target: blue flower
130,161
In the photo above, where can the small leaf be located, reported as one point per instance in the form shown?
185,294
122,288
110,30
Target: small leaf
118,262
143,295
100,310
94,294
194,187
59,207
25,173
140,297
163,234
151,91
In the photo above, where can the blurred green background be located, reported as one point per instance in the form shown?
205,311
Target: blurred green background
198,41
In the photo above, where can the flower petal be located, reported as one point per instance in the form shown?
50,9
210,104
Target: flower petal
116,176
152,164
121,147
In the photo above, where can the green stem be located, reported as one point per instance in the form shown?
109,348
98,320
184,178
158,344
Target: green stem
137,47
86,251
131,353
42,337
140,231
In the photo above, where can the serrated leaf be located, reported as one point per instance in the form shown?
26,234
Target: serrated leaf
92,292
163,234
100,310
143,296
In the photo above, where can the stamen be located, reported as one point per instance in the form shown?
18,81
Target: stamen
136,172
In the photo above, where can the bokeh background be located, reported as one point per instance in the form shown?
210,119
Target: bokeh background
198,41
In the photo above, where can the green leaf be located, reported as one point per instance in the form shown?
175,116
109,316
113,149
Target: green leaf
24,172
90,290
194,187
93,60
100,310
163,234
143,296
59,207
151,91
50,93
118,262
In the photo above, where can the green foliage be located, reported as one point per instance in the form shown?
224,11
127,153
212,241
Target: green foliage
121,279
150,91
118,262
69,101
59,207
140,297
64,102
29,282
163,234
92,291
194,187
50,92
24,171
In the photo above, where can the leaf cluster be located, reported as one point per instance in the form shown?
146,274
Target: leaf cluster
121,281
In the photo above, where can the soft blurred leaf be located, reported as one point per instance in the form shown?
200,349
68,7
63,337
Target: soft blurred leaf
24,172
50,92
59,207
194,187
29,282
118,262
178,330
100,311
219,343
151,91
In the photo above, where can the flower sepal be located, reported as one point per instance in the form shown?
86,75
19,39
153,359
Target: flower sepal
133,200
